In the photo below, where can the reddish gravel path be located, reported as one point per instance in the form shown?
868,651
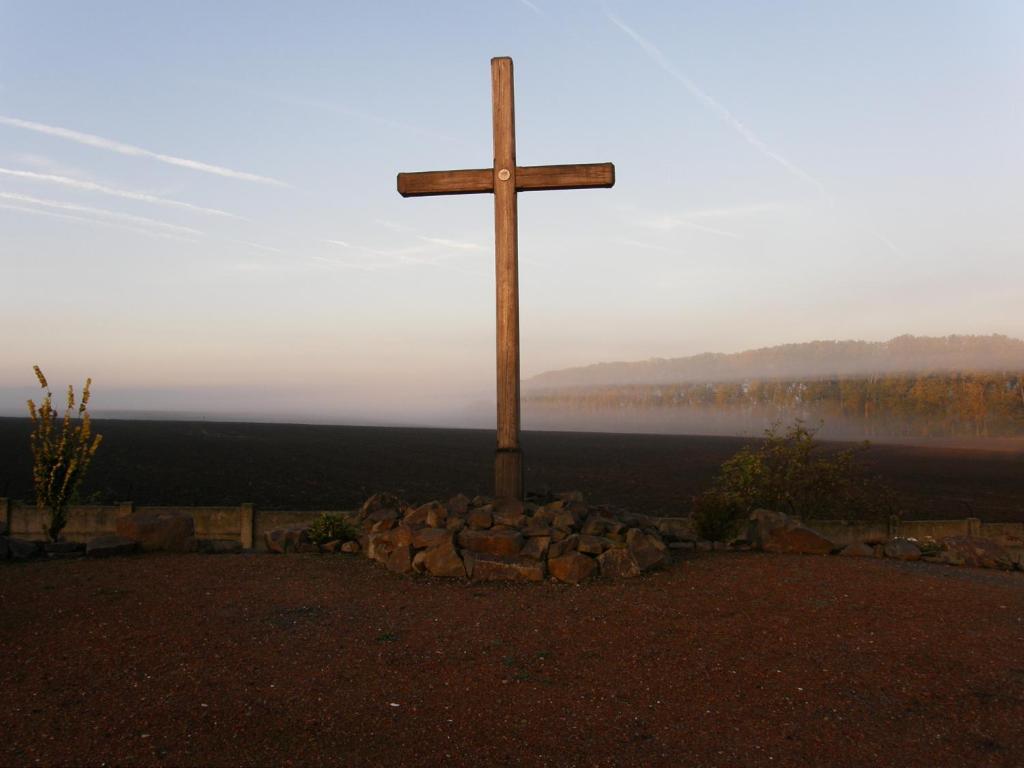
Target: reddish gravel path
724,660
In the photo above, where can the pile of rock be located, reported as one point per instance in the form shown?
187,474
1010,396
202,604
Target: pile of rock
970,551
776,532
499,539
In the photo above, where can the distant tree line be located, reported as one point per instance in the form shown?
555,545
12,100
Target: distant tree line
962,404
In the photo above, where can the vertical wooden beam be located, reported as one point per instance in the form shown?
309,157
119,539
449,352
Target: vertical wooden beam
508,462
247,524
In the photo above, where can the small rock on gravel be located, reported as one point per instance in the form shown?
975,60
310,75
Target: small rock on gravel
110,545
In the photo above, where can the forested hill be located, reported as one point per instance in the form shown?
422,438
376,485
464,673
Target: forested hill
814,359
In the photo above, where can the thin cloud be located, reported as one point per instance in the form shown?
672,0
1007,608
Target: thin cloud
533,7
328,106
258,246
737,210
95,222
387,253
457,244
648,246
91,140
90,186
717,107
669,223
435,253
96,212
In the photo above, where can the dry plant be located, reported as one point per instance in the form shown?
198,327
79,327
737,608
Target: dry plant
60,456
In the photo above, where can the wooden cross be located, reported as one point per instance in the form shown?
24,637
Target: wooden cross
505,179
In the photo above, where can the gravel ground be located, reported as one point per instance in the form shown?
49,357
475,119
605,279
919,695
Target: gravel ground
722,660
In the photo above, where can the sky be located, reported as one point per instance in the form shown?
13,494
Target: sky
198,205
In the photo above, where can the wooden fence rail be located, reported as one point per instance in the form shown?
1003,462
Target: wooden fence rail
247,524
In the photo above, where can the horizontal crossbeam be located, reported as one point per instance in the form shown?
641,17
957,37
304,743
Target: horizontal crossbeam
529,178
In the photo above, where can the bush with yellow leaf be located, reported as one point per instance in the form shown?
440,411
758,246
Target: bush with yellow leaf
61,454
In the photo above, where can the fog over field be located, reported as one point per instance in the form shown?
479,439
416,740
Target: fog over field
199,210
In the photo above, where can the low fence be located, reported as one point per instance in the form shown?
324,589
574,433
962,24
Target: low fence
242,523
246,524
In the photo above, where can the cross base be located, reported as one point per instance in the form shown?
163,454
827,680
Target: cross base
508,473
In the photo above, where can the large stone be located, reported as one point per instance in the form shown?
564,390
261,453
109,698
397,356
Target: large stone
400,559
648,551
480,519
509,512
676,529
430,537
441,560
595,525
399,536
417,515
566,520
776,532
536,529
572,568
901,549
618,563
222,546
23,549
563,546
536,548
592,545
455,523
491,568
159,530
350,547
542,517
386,515
63,550
857,549
378,547
433,514
292,538
110,545
377,502
498,543
458,505
976,552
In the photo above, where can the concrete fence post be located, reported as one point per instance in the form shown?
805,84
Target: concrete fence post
248,524
5,516
973,526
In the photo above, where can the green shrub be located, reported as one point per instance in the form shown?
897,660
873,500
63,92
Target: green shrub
718,516
328,527
791,473
60,456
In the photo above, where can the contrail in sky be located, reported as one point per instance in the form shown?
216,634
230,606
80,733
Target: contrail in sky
101,212
99,222
90,186
131,150
728,117
532,7
717,107
457,244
